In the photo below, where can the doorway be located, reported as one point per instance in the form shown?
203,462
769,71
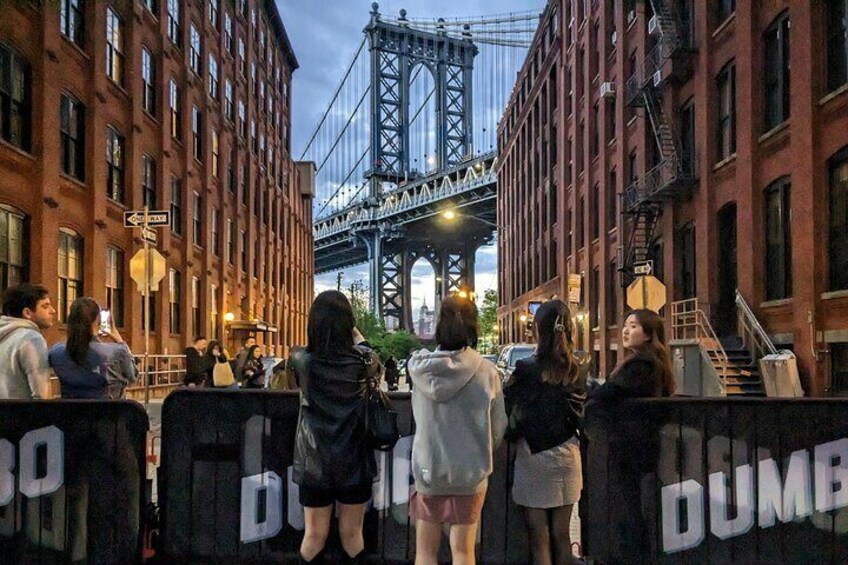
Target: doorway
725,314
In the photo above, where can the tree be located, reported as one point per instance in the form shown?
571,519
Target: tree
488,322
400,343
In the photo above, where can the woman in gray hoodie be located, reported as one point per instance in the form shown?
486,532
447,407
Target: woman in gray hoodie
460,420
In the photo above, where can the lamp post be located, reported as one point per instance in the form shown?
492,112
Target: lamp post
452,214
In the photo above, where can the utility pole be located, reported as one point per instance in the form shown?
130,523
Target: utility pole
339,278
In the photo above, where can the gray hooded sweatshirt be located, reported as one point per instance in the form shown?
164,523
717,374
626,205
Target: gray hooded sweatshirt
23,359
460,420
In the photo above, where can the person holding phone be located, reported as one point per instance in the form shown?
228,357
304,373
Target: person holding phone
94,362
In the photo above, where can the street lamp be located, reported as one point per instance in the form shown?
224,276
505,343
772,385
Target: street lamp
229,317
451,214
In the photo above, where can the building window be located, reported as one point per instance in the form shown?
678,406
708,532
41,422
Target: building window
15,98
231,171
72,114
215,150
778,240
612,201
114,47
254,138
176,207
197,219
256,251
596,211
838,241
776,72
595,290
228,33
581,232
152,7
687,137
213,77
174,22
231,242
612,294
176,111
213,13
836,20
243,247
726,83
70,271
114,165
148,82
13,240
686,261
195,306
633,168
148,181
195,50
197,132
242,61
216,244
175,288
242,120
73,21
229,106
213,313
724,9
596,128
115,284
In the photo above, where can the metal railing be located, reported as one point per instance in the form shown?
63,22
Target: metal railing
754,337
165,372
688,321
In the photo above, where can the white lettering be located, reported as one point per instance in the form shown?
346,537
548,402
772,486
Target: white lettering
255,489
721,525
7,478
52,439
673,538
784,501
831,475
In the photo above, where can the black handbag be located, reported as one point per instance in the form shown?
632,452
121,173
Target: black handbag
381,420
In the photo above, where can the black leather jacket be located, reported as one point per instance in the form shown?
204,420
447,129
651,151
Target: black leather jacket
330,447
544,414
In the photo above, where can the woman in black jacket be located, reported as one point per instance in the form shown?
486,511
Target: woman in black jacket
253,372
332,460
544,400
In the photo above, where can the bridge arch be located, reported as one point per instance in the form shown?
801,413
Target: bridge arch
422,110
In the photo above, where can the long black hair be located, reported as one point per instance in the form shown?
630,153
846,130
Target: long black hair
457,325
555,348
210,347
84,313
331,323
655,349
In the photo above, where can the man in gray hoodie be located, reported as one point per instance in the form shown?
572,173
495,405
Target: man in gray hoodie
24,370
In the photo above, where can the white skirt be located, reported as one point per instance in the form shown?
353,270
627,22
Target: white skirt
550,478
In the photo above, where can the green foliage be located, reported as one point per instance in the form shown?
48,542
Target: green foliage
400,343
488,322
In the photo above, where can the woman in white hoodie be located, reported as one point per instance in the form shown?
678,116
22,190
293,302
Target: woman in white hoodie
460,420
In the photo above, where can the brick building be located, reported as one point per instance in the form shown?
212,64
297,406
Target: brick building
683,138
174,104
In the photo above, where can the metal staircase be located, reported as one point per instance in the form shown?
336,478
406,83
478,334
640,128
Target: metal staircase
643,201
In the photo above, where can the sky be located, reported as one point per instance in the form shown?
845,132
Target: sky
325,35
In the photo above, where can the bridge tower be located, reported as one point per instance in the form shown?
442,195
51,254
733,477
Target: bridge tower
396,49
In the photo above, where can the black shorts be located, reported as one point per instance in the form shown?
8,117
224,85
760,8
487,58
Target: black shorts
319,498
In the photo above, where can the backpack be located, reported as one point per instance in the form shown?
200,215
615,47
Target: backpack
222,374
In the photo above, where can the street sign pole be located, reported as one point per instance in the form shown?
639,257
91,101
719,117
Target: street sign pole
145,292
643,282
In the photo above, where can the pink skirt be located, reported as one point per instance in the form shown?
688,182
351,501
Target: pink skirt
454,509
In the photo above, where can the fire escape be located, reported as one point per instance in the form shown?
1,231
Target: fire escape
673,175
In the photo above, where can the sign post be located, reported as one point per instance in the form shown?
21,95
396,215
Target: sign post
646,292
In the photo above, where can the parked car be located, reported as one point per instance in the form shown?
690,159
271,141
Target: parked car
510,355
493,357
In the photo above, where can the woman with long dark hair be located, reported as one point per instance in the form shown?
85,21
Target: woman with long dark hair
253,371
332,461
460,420
92,363
544,399
648,371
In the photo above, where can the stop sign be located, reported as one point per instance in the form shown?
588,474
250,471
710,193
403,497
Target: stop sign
646,292
158,267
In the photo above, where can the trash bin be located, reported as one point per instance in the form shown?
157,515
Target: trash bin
780,375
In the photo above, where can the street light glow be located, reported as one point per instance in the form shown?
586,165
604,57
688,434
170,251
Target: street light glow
229,317
449,214
522,318
463,294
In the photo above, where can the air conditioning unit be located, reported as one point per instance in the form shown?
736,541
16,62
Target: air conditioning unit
631,16
654,26
607,90
614,38
657,78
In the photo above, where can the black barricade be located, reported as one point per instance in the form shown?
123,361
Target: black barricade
717,481
72,476
226,494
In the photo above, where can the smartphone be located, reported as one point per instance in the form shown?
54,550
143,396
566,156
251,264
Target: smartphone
105,325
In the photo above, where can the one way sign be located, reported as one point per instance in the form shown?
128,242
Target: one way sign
135,218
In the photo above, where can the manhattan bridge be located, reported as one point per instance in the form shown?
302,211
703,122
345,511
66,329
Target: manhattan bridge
406,151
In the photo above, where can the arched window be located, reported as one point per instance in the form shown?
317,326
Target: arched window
70,271
778,241
13,246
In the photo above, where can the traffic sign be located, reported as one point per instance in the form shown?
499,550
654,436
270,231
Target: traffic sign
643,269
149,235
158,267
574,282
646,292
135,218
